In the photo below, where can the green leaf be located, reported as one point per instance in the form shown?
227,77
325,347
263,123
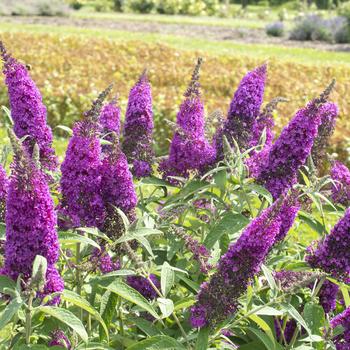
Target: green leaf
67,318
314,317
71,237
262,191
10,310
184,303
155,182
264,338
6,283
77,300
202,339
167,278
108,304
132,295
146,326
39,262
230,224
161,342
166,306
8,115
269,278
68,130
290,309
265,327
346,296
269,311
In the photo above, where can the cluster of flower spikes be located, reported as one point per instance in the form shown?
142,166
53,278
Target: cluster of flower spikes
340,174
266,122
218,298
290,151
4,183
59,339
82,203
332,254
342,341
30,223
27,110
143,285
328,112
138,128
189,150
243,112
110,122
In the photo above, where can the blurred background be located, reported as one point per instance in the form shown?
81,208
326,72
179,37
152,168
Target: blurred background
75,48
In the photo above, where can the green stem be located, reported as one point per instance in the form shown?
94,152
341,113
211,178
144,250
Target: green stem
29,317
77,270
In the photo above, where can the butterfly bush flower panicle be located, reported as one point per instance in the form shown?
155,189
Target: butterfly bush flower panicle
118,189
243,111
27,110
332,254
101,260
110,121
291,149
4,183
329,113
143,285
30,222
80,183
189,150
340,174
328,296
342,341
218,298
138,128
58,338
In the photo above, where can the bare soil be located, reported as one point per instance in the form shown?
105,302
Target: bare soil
244,35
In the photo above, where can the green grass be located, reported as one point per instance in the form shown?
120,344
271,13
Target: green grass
252,23
211,47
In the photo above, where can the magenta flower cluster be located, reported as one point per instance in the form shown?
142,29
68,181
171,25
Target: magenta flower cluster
241,121
27,110
110,122
60,339
30,224
189,150
82,204
218,298
332,254
4,183
138,128
143,286
342,341
340,174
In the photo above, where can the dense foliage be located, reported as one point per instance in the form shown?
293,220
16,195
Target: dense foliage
201,256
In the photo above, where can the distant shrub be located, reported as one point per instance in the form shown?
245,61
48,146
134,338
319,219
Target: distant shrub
275,29
140,6
34,8
283,14
188,7
344,10
313,27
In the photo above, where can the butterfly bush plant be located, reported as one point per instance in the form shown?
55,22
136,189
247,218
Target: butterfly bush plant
239,238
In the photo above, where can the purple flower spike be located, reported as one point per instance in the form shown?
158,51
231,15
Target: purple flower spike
110,121
341,189
328,296
342,341
138,128
328,112
60,339
143,286
332,254
243,111
4,183
218,298
189,150
27,110
82,203
30,222
291,149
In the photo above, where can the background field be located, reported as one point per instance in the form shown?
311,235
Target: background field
72,63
